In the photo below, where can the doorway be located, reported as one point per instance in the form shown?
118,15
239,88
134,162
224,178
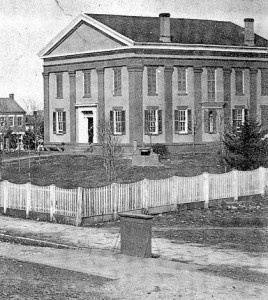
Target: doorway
90,129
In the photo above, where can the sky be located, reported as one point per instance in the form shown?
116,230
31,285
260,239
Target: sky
26,26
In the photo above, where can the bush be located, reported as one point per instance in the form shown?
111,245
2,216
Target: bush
160,149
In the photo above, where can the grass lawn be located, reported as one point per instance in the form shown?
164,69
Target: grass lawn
70,171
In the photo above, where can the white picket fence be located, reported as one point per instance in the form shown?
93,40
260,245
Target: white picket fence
112,199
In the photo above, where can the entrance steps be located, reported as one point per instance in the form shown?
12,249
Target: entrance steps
80,149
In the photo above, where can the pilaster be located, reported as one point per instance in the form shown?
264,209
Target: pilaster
253,93
72,76
197,104
227,95
101,101
168,71
46,108
135,104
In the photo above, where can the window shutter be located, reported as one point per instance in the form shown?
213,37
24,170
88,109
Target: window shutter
112,120
189,121
64,121
206,121
234,118
123,122
246,114
54,122
176,121
264,82
146,122
160,122
214,114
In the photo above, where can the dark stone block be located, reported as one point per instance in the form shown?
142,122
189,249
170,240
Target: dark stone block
136,234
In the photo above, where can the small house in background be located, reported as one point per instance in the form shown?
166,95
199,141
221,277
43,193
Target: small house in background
12,118
33,118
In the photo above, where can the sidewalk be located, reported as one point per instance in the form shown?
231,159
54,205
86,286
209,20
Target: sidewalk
175,275
109,239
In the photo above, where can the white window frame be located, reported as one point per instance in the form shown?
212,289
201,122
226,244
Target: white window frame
183,80
211,121
153,113
241,119
13,122
20,117
59,122
211,83
183,122
117,122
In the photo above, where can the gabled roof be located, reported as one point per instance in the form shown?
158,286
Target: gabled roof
8,105
183,31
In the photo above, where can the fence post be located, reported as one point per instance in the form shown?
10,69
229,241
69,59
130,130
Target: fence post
235,184
114,200
146,194
5,195
262,180
79,207
28,198
206,189
52,196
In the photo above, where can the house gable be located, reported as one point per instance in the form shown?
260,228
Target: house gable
84,38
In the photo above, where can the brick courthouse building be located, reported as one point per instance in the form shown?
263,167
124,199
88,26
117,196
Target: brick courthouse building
172,79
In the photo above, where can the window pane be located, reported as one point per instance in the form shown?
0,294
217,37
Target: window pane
118,121
19,121
152,121
60,121
182,121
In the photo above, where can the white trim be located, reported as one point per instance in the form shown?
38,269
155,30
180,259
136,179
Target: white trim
91,21
222,48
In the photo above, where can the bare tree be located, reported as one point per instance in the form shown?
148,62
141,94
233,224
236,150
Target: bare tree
111,149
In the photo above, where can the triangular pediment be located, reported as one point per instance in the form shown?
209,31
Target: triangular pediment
83,35
84,39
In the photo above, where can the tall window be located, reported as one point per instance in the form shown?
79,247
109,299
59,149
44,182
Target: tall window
87,84
211,84
117,82
153,121
239,82
118,121
182,120
20,118
11,121
59,85
182,83
239,115
152,81
264,82
59,122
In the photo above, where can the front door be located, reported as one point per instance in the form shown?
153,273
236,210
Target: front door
90,130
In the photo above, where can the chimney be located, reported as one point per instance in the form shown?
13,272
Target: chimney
11,96
164,27
249,32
